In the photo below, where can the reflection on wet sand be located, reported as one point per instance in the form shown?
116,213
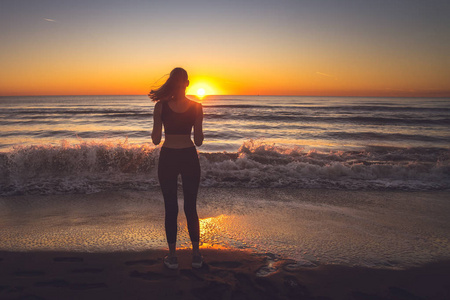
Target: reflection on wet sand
353,228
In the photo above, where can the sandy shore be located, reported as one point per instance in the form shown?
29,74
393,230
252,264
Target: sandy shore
352,228
300,244
227,274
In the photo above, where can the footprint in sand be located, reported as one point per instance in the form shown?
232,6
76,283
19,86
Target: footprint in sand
269,269
292,266
265,271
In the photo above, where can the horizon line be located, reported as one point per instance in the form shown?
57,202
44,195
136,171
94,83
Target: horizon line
264,95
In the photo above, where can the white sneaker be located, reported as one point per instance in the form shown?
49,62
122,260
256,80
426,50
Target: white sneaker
197,261
171,262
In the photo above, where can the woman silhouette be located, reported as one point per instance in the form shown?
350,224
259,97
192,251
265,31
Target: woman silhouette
178,156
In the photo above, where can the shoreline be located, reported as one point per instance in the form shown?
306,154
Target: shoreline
326,244
227,274
353,228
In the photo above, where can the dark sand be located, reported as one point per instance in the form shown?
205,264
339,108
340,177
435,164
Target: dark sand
227,274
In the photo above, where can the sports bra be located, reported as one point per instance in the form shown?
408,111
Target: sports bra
178,123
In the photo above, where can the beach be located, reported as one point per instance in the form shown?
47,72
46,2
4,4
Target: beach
257,244
226,275
312,139
300,198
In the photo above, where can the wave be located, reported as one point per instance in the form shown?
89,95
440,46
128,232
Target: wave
86,109
298,116
58,111
387,115
88,167
44,114
378,136
275,117
354,108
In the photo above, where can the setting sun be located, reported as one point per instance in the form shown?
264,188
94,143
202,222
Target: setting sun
201,92
202,87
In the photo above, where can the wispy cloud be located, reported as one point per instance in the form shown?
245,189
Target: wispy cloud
50,20
324,74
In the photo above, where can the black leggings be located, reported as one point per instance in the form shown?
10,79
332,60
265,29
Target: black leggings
171,163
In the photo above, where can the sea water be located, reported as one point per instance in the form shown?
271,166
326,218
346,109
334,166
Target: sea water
84,144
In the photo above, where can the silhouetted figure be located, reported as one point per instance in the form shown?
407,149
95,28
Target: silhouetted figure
178,156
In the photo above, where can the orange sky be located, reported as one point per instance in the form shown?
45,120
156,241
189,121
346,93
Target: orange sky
283,48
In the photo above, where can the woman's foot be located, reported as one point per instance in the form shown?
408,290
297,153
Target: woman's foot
197,261
171,262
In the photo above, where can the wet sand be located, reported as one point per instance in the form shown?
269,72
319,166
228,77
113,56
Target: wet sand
377,229
226,274
258,244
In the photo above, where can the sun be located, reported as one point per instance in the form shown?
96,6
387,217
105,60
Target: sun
201,88
201,93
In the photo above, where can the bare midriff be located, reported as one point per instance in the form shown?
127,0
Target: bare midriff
178,141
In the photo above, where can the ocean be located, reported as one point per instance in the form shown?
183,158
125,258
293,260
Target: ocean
85,144
319,180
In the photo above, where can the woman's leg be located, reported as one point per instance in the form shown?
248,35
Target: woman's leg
168,175
190,175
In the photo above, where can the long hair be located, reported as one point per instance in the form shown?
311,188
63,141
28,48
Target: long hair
176,82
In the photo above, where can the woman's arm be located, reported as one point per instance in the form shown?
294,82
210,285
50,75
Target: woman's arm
198,126
157,124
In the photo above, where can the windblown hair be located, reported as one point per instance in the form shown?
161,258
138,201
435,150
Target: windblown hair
175,82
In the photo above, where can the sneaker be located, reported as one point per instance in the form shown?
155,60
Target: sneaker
197,261
171,262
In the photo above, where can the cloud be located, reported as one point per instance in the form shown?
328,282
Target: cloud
49,20
324,74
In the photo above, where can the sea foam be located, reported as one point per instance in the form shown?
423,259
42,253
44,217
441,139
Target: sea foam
87,167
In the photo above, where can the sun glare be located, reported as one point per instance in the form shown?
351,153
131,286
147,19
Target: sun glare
201,93
201,88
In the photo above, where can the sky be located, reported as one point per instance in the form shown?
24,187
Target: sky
235,47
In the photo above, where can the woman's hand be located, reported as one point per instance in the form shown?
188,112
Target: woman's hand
198,126
157,124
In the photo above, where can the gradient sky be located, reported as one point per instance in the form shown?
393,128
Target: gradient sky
279,47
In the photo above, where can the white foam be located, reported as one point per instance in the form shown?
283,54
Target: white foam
87,167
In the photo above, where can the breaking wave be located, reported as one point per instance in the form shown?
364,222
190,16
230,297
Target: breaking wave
88,167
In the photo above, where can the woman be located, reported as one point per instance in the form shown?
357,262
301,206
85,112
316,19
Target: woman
178,156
